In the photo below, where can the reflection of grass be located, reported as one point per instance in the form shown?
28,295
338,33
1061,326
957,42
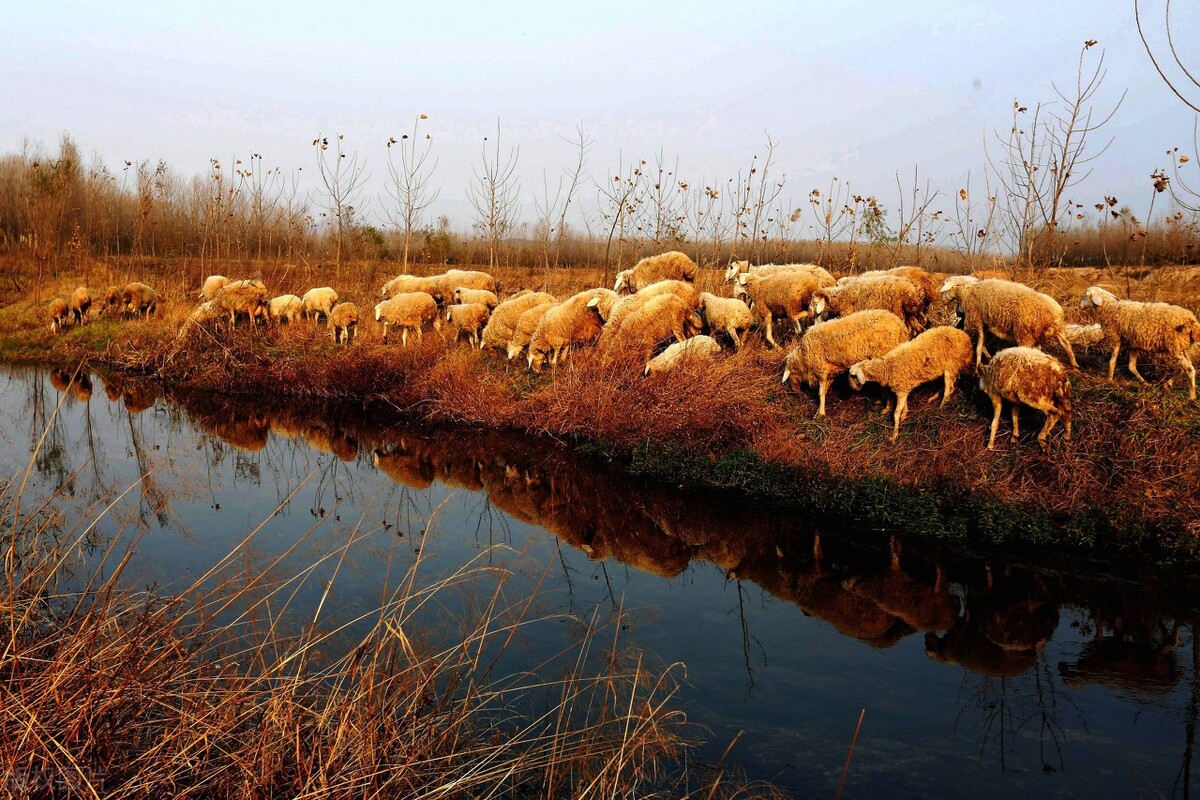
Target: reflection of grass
221,690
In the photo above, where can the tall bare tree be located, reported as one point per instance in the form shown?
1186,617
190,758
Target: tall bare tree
408,183
494,195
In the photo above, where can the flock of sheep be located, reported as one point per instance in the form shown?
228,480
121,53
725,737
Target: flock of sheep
872,326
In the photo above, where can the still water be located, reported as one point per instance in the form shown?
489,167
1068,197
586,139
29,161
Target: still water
979,677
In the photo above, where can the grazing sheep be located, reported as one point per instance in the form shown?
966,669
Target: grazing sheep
343,323
656,321
212,285
727,314
672,265
248,298
1010,311
499,330
575,320
138,299
737,268
468,318
285,308
408,311
698,348
317,302
81,301
884,293
1025,376
832,347
781,294
60,312
1144,328
526,325
941,352
464,296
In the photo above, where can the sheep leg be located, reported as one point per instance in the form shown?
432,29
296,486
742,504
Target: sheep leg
901,413
997,407
1190,370
1015,419
822,388
1112,359
1051,420
1133,367
1065,344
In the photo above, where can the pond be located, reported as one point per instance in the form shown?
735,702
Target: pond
979,676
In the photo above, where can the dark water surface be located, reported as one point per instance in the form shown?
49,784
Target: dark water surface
980,678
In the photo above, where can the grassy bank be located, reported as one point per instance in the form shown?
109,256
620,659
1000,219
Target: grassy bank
1126,480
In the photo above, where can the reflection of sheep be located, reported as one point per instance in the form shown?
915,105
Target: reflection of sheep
781,294
468,318
1144,328
737,268
212,285
138,299
885,293
499,330
937,353
59,313
319,301
1023,375
248,298
1010,311
573,321
698,348
831,347
726,314
463,296
285,308
673,265
408,311
661,318
343,323
526,325
81,301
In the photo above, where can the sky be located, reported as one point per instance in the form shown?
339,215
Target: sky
856,90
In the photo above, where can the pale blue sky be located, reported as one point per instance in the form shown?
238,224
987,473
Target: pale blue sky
853,89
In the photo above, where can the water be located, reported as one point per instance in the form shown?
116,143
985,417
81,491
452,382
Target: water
980,678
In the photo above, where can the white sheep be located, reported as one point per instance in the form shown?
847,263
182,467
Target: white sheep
832,347
727,314
285,308
343,323
1144,328
1026,376
574,321
408,311
941,352
81,301
1011,311
60,312
499,330
317,302
465,296
672,265
781,294
883,292
697,348
468,318
526,325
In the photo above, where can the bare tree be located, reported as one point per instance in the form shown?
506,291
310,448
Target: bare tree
343,177
409,183
1045,153
494,195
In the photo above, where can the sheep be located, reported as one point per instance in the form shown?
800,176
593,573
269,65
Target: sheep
285,308
782,294
941,352
885,293
81,301
468,318
499,330
317,302
727,314
465,296
138,299
575,320
1144,328
699,348
832,347
343,323
408,310
242,297
60,312
672,265
1010,311
526,325
212,285
737,268
1026,376
659,319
